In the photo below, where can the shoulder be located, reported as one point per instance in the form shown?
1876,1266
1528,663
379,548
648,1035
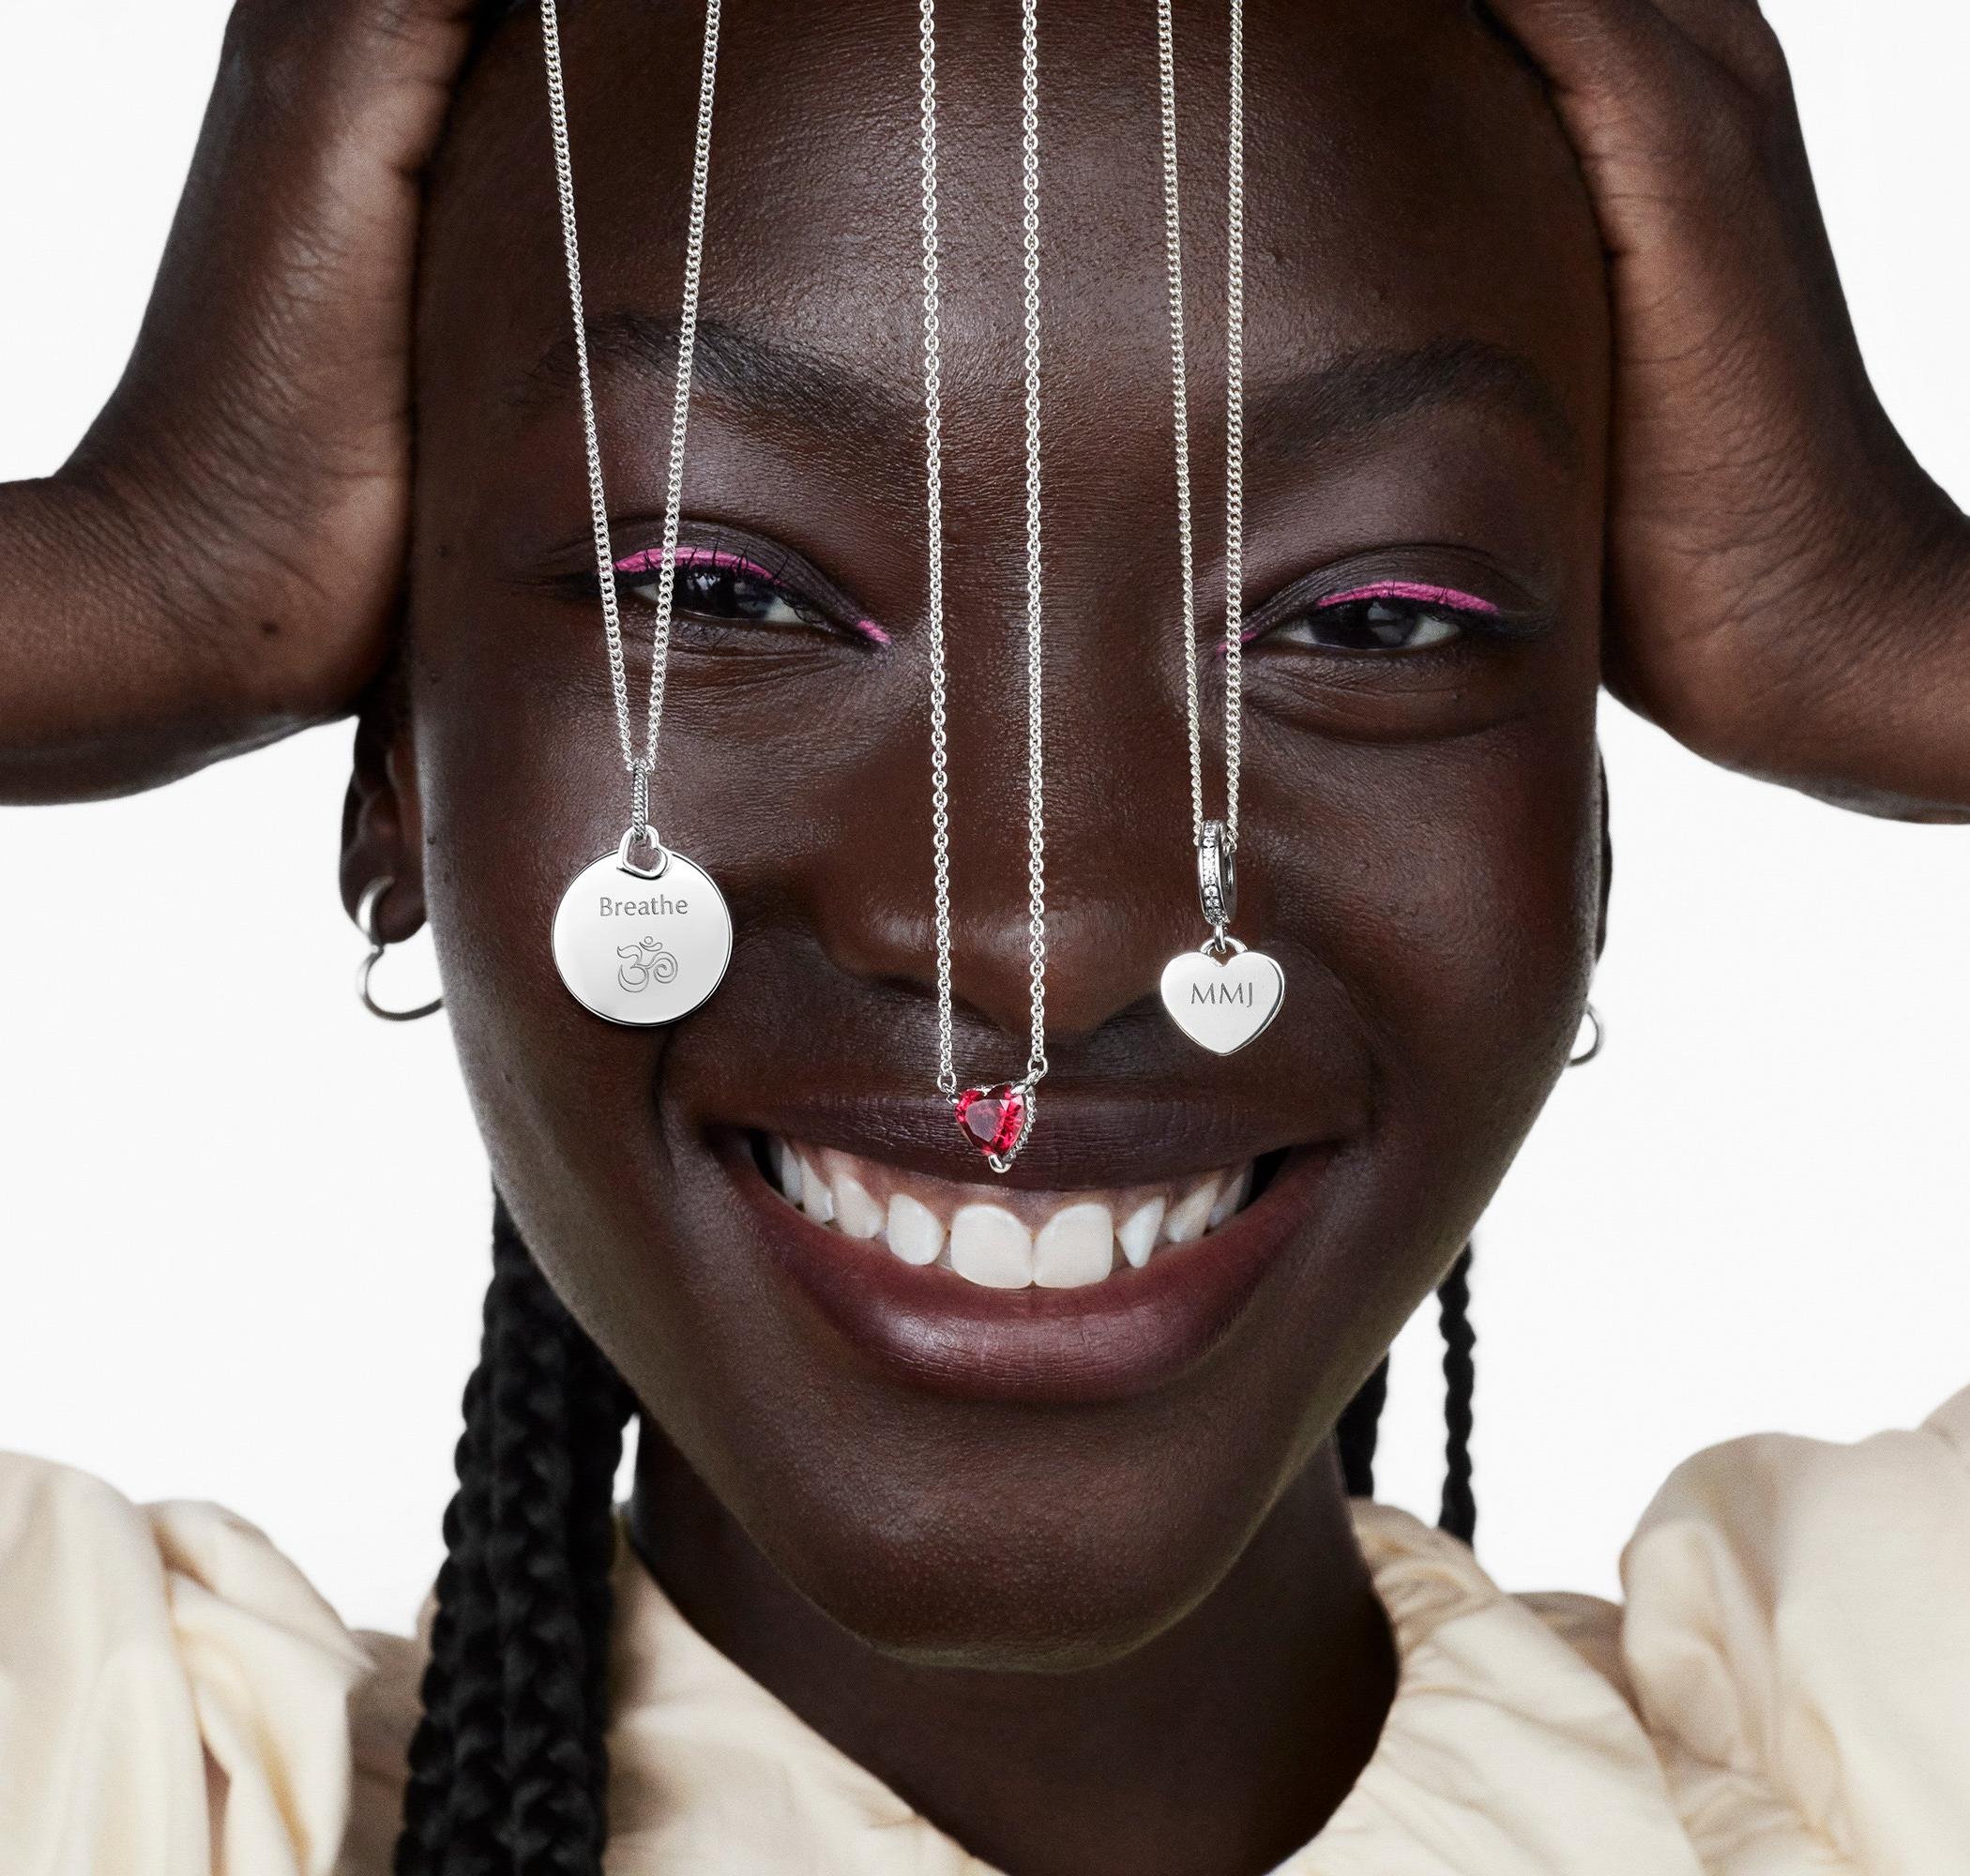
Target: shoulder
1796,1639
173,1681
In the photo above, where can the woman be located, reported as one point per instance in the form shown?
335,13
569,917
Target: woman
1057,1580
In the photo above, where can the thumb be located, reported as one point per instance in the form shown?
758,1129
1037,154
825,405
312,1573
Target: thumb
1592,47
384,67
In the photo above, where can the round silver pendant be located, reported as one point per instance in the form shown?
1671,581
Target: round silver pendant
643,947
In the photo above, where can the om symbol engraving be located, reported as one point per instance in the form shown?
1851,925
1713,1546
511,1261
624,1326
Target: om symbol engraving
647,962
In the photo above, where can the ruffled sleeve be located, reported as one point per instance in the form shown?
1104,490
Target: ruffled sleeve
174,1694
1798,1640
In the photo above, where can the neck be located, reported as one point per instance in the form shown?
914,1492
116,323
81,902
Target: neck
1221,1745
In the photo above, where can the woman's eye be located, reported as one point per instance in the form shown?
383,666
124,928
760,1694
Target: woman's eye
720,588
1371,626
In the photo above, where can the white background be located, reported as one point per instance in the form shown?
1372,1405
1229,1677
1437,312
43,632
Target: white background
243,1226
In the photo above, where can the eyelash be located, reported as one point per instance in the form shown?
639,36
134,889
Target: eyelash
638,573
1398,603
1388,603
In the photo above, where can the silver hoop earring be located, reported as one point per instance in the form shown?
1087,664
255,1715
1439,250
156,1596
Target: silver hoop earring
365,923
1593,1048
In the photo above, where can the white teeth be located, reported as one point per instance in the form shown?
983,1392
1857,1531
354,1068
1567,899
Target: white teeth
1191,1216
1075,1246
787,1170
1055,1240
990,1246
1232,1198
916,1232
817,1200
855,1212
1140,1230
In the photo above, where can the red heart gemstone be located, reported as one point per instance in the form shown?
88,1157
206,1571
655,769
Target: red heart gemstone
992,1119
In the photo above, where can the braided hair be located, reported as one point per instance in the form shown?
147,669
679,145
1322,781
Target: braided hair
508,1770
1361,1420
509,1766
1459,1512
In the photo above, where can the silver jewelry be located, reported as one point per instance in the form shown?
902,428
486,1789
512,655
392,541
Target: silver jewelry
365,923
1222,994
643,936
996,1120
1581,1057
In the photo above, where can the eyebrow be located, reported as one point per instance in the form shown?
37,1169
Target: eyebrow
1288,420
753,369
1366,389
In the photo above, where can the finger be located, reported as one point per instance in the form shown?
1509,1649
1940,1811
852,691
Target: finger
1733,33
323,117
379,70
1596,47
1601,49
1666,102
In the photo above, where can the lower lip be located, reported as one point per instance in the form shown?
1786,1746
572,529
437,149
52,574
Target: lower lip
1135,1331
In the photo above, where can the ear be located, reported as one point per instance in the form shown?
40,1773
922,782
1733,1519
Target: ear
383,822
1607,860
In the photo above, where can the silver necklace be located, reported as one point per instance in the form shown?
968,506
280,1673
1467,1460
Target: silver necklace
1222,994
997,1119
642,935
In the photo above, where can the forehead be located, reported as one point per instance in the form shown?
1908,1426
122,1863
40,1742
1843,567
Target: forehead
1410,200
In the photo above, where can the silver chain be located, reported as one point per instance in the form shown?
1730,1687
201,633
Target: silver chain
933,484
934,487
640,767
1234,420
1179,387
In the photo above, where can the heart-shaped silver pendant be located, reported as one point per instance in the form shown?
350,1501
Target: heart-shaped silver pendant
1222,1001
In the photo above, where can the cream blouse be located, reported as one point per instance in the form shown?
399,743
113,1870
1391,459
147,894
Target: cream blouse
1786,1691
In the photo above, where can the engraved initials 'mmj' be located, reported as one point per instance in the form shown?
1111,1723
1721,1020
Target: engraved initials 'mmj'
1238,993
648,963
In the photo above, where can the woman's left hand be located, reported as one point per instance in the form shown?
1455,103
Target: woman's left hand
1788,592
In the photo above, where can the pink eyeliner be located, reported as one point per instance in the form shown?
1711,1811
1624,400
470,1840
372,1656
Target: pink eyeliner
1414,590
650,560
1417,592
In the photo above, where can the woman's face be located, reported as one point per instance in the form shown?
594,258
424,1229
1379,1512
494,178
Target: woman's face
954,1469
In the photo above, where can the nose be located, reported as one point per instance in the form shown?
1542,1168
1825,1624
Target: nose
1101,947
1117,862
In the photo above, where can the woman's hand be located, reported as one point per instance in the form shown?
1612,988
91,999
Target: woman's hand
220,561
1788,593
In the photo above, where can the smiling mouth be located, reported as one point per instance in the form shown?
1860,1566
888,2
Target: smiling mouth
1059,1285
1019,1239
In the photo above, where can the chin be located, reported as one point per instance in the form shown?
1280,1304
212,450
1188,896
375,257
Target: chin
1019,1562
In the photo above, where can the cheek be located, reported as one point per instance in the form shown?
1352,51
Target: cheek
1452,891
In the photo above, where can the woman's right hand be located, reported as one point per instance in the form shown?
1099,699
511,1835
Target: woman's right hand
220,562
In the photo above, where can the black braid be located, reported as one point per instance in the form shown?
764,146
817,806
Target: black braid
457,1690
1360,1423
1361,1420
1458,1515
509,1770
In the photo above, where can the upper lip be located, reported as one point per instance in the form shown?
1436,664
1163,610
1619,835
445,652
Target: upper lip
1084,1135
